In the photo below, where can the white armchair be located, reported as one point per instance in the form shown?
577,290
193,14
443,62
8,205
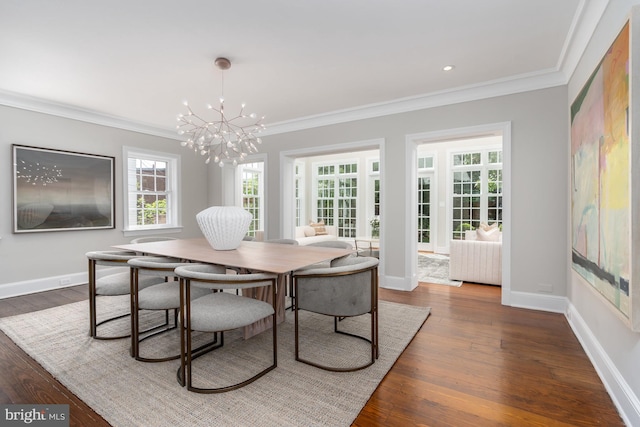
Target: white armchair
476,261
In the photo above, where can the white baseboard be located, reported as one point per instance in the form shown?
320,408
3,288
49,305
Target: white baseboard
9,290
622,395
543,302
442,250
398,283
26,287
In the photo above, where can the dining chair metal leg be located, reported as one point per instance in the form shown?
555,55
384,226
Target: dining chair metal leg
165,297
93,312
231,312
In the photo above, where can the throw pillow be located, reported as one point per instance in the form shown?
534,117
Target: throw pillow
309,231
319,228
492,235
487,227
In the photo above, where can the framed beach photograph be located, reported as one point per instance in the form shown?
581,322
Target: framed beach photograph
57,190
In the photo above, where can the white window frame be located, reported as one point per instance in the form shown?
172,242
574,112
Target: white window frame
372,176
336,190
174,211
483,167
314,198
299,188
240,168
428,172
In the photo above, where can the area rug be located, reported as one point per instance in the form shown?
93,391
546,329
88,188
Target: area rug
434,268
130,393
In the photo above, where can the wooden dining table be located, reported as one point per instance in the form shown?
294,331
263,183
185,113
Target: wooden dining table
250,256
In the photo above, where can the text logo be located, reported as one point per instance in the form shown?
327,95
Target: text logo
34,415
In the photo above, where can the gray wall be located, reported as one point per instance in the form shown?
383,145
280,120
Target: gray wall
539,178
605,335
540,241
34,256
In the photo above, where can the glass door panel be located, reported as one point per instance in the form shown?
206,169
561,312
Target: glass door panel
424,213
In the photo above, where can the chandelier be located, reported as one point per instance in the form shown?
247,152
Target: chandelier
223,139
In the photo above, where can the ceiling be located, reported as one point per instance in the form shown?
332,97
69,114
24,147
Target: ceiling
137,61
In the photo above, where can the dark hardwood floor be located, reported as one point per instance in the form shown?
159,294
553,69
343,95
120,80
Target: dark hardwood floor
473,363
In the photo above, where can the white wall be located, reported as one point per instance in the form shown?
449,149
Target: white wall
612,346
30,261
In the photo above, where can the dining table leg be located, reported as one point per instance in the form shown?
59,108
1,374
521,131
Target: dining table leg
264,294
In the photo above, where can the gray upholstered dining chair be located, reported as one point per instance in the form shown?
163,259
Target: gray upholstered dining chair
151,239
163,297
113,284
339,244
282,241
218,312
347,288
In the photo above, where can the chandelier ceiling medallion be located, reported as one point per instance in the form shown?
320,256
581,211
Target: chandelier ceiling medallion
221,139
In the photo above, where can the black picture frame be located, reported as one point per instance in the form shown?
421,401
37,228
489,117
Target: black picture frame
56,190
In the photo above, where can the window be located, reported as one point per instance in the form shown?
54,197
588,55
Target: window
375,176
336,196
151,182
494,188
425,162
425,177
477,190
373,194
252,187
325,193
299,193
347,201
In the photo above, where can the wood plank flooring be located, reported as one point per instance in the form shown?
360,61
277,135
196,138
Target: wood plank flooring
473,363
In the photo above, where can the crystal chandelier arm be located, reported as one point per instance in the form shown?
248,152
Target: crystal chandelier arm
224,139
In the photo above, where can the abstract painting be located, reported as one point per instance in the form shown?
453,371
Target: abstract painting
600,178
60,190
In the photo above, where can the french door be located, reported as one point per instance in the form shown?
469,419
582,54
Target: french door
425,202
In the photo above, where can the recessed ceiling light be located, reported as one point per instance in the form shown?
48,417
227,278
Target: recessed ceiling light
448,67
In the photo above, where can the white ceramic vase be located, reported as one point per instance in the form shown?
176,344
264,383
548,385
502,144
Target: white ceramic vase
224,226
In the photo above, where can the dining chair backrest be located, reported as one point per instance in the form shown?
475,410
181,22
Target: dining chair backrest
346,288
332,244
282,241
150,239
111,284
222,311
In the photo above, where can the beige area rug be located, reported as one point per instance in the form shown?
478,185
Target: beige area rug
130,393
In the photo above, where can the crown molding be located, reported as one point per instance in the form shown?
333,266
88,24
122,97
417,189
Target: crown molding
508,86
587,17
585,20
495,88
38,105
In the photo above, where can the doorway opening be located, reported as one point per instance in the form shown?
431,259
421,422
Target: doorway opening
460,179
342,184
